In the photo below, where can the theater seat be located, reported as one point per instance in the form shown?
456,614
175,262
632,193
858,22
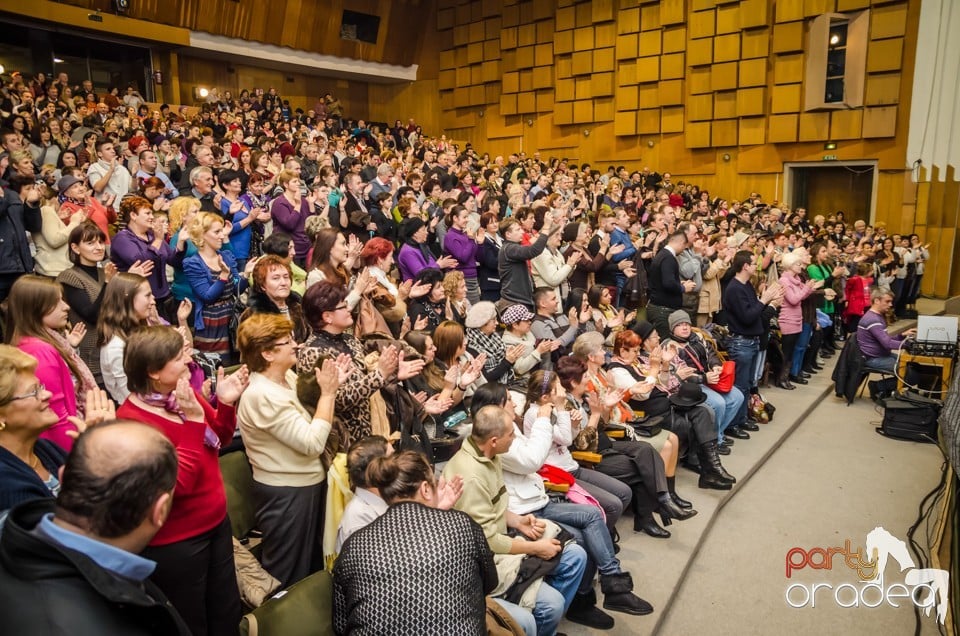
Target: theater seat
304,609
238,484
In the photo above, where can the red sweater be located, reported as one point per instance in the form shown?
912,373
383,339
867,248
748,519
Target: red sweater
857,293
199,501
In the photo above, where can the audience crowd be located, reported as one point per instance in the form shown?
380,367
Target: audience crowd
557,339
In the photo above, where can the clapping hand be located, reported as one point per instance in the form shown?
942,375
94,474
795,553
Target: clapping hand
407,369
612,398
470,371
75,337
389,362
515,352
576,418
98,407
229,388
183,311
574,257
548,346
422,322
345,367
187,400
420,290
436,404
447,262
328,377
143,268
448,492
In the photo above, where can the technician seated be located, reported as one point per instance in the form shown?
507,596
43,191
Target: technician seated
878,347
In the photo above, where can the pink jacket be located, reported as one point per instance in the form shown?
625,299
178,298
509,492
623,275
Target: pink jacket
794,291
54,374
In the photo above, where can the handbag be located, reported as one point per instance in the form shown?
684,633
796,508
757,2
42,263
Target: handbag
728,373
648,426
370,321
255,583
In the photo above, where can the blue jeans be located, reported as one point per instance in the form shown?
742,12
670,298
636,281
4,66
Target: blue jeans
744,352
800,349
886,363
586,524
558,589
726,407
523,618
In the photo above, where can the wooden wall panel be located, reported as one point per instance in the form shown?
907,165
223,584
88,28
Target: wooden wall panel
698,78
301,24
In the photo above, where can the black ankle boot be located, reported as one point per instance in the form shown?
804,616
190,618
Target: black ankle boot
712,473
584,610
677,499
669,510
646,525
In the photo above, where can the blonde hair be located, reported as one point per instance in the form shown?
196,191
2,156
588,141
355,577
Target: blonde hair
13,362
179,209
201,224
790,259
451,281
285,177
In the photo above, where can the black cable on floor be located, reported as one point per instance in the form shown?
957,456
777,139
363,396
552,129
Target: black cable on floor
929,501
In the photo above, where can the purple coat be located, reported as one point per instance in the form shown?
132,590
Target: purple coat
290,221
463,248
127,248
411,260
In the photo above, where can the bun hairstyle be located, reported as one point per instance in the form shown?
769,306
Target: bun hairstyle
399,476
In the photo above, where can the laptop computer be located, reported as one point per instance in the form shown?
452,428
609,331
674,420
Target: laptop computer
939,329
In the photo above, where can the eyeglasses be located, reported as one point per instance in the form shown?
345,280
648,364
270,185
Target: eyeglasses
40,388
343,306
296,345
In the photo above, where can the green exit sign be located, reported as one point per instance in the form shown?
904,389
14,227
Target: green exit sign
829,157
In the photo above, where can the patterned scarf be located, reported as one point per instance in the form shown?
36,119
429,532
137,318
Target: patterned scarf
65,212
168,402
85,381
493,346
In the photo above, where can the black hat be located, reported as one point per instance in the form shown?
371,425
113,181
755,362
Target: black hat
411,226
642,328
689,395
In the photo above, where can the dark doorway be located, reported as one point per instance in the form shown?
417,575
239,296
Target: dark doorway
827,189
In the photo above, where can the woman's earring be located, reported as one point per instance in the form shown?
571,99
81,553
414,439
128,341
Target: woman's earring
3,425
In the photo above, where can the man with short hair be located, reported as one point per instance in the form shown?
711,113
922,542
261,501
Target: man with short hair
485,499
877,346
747,319
202,182
666,288
108,176
19,214
71,565
148,168
382,183
550,325
516,284
10,141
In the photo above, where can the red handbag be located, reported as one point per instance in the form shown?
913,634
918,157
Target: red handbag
727,374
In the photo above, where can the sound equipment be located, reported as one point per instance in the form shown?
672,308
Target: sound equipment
121,6
911,417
